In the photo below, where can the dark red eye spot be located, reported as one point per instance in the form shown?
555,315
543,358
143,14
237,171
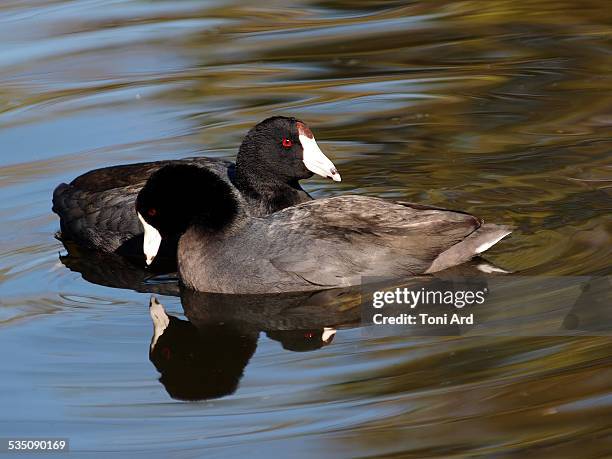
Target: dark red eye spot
152,212
287,143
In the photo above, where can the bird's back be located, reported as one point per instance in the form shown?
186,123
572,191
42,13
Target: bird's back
326,243
97,209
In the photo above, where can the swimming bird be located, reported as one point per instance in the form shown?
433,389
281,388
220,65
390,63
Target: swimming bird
97,208
319,244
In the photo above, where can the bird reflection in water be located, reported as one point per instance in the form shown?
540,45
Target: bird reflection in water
198,363
204,357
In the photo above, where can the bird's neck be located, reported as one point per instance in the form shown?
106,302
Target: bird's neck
266,193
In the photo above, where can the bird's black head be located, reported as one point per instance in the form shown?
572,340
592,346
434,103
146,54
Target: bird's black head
282,149
179,195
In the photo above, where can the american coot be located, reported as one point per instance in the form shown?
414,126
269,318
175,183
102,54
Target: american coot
97,209
318,244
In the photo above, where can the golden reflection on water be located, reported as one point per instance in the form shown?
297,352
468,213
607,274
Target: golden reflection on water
499,108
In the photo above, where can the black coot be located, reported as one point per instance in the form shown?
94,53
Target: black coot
97,209
319,244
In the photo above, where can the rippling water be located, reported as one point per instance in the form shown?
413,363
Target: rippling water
499,108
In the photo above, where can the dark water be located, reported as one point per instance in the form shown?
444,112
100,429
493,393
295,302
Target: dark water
500,108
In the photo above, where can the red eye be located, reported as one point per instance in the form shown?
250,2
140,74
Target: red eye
287,143
152,212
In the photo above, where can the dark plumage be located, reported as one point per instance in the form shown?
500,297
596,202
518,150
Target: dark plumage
318,244
97,209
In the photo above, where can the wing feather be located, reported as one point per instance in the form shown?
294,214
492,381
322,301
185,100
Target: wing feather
352,236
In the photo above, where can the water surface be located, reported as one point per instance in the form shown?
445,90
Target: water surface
501,109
